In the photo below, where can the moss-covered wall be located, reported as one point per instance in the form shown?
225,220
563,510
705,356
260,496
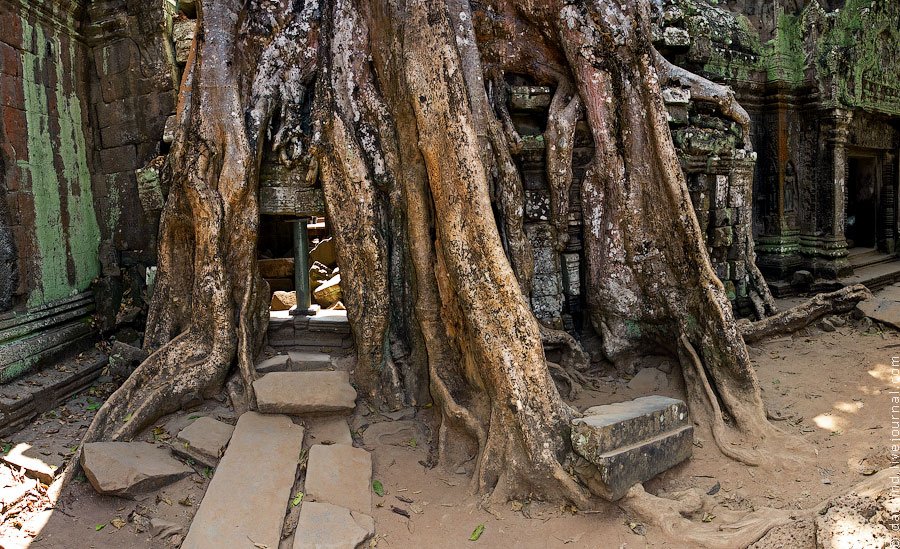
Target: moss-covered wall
46,145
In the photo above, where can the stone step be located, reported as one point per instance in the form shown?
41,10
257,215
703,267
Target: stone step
874,277
305,393
863,257
296,361
245,503
341,475
631,442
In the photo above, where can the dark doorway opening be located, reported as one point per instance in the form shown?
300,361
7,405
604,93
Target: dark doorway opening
862,203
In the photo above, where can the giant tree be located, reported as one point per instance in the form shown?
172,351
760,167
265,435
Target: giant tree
402,106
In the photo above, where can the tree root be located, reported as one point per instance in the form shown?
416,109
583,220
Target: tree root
668,515
703,400
801,316
574,363
735,530
565,109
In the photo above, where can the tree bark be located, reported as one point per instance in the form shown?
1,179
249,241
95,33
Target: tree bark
413,147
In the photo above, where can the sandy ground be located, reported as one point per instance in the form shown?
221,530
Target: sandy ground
828,388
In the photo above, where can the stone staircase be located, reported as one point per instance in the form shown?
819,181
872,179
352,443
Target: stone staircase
256,482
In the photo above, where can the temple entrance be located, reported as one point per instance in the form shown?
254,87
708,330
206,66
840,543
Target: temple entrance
861,228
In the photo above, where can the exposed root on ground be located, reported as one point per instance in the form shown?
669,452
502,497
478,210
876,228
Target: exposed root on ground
801,316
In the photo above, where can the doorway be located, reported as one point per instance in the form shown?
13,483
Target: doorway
861,229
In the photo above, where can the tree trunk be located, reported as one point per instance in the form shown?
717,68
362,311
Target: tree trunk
413,147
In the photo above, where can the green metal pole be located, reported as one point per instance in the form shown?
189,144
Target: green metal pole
301,269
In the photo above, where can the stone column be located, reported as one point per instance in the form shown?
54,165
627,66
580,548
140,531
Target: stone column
889,203
828,247
301,269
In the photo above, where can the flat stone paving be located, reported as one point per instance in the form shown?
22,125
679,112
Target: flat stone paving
304,392
245,503
341,475
323,525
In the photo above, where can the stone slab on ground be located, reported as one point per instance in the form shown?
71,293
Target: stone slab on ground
130,468
249,492
305,392
328,430
204,440
631,442
327,526
341,475
884,307
296,361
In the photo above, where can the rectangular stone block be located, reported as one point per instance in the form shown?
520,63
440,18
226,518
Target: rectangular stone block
305,392
250,490
631,442
341,475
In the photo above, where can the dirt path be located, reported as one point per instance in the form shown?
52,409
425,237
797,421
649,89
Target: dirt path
830,388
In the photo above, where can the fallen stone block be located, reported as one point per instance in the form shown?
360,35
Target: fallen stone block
204,440
341,475
249,492
130,468
304,392
884,308
631,442
283,301
329,292
326,526
282,267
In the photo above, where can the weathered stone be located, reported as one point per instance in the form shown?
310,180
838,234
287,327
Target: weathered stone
183,35
251,487
282,267
169,129
326,526
329,292
295,361
826,325
283,301
124,358
397,433
305,392
631,442
885,307
318,273
802,278
676,96
341,475
324,253
649,380
329,430
130,468
204,440
674,37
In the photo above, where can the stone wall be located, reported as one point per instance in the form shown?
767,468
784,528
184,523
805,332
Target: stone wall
86,88
46,152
